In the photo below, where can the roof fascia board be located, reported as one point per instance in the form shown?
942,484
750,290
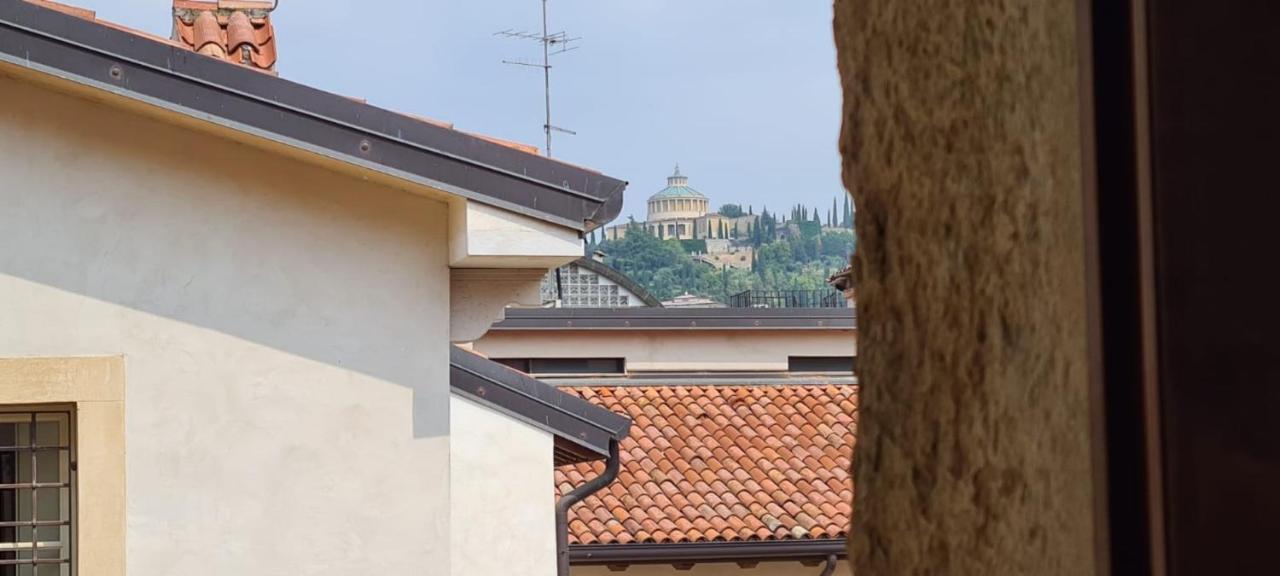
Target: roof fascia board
678,319
268,107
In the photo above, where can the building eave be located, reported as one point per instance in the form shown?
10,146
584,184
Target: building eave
158,74
582,430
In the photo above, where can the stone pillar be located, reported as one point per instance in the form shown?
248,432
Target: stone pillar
961,148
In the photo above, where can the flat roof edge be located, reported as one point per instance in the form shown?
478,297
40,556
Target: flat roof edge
678,319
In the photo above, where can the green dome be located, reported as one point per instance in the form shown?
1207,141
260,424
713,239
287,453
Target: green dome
677,187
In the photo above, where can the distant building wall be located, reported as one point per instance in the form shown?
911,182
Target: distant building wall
740,259
673,350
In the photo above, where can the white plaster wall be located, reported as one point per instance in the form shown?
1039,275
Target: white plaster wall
718,569
673,350
285,332
503,509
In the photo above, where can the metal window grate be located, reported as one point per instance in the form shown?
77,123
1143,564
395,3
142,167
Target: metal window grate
36,476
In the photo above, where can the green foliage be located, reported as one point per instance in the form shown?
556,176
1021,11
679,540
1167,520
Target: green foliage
809,228
694,246
665,268
731,210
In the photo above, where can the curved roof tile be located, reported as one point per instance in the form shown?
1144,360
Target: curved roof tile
701,464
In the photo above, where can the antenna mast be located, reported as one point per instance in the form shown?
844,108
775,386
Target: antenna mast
552,44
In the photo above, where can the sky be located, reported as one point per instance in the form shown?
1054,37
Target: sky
744,94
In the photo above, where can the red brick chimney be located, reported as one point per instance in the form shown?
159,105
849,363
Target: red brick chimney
234,30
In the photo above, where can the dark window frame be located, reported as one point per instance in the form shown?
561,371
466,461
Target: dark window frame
822,364
566,366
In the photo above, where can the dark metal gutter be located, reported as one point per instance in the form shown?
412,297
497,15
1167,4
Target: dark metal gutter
236,97
678,318
815,550
582,430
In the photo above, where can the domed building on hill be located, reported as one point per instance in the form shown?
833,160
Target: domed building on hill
682,213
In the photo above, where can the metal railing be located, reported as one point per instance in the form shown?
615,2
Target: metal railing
788,299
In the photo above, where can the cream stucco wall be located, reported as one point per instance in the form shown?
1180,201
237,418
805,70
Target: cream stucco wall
284,332
672,350
718,569
503,504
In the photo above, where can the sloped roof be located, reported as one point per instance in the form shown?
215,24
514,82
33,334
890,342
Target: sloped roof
718,463
582,430
677,187
72,45
677,192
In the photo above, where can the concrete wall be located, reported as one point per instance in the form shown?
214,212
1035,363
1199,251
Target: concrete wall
961,148
284,331
721,569
744,350
503,502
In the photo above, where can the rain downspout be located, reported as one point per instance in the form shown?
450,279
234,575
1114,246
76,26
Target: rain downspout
568,500
830,568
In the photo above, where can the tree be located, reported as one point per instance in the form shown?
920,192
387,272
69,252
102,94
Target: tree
831,220
731,210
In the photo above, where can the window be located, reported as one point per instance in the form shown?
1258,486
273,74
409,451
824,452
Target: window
554,366
821,363
36,488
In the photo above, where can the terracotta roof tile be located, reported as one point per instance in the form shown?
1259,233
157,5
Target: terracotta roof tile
239,32
721,463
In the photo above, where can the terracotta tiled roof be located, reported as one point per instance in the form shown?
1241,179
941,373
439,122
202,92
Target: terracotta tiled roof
721,463
235,31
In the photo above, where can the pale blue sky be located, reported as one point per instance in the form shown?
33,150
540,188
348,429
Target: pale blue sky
743,93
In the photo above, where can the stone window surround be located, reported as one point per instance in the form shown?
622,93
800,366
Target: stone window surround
95,387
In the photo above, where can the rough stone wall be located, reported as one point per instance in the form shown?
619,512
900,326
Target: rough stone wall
961,148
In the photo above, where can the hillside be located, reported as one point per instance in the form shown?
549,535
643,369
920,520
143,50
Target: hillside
799,253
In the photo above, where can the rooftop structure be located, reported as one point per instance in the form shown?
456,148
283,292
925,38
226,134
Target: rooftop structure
590,283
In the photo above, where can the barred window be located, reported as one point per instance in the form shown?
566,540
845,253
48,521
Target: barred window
36,492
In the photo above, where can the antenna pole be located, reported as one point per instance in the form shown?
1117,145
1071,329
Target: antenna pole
546,75
562,42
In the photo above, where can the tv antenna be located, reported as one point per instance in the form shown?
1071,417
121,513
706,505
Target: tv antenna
552,44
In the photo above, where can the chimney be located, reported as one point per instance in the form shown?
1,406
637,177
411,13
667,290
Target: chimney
237,31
